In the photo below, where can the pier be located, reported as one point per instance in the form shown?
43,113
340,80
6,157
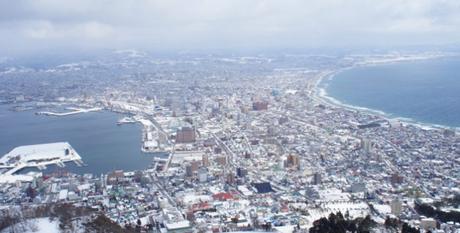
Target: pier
38,156
73,112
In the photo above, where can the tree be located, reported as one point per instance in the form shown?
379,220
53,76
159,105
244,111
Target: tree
408,229
336,223
391,223
31,192
102,224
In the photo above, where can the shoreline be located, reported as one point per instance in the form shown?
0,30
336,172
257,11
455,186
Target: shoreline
321,94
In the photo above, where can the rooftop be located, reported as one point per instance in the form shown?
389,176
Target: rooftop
47,151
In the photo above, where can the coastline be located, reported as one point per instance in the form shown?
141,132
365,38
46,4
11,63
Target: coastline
321,94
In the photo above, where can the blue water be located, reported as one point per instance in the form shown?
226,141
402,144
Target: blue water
103,145
425,91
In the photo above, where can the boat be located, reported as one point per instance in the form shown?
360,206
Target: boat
126,120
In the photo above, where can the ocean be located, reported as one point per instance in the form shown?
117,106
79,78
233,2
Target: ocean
424,91
103,145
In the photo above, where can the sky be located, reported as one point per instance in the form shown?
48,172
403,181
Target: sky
28,26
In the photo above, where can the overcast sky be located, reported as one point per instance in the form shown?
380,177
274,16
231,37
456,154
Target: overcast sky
225,24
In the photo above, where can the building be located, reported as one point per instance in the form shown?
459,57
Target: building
396,207
241,172
202,175
192,167
292,161
181,226
449,133
221,160
217,150
366,146
259,105
115,177
230,179
195,165
209,142
185,135
222,196
188,170
263,187
316,178
396,178
358,187
205,160
428,223
283,120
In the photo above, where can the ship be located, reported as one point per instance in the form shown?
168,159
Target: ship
126,120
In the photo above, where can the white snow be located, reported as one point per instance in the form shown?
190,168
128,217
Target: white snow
39,155
38,225
37,152
5,178
178,225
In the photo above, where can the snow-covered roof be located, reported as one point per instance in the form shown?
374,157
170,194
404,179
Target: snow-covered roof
177,225
37,152
13,178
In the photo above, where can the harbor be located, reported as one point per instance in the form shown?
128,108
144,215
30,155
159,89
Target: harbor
95,135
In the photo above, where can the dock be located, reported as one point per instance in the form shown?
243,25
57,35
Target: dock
38,156
73,112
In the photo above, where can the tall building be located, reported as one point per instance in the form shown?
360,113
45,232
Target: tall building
366,146
396,206
192,167
185,135
317,178
205,160
188,170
